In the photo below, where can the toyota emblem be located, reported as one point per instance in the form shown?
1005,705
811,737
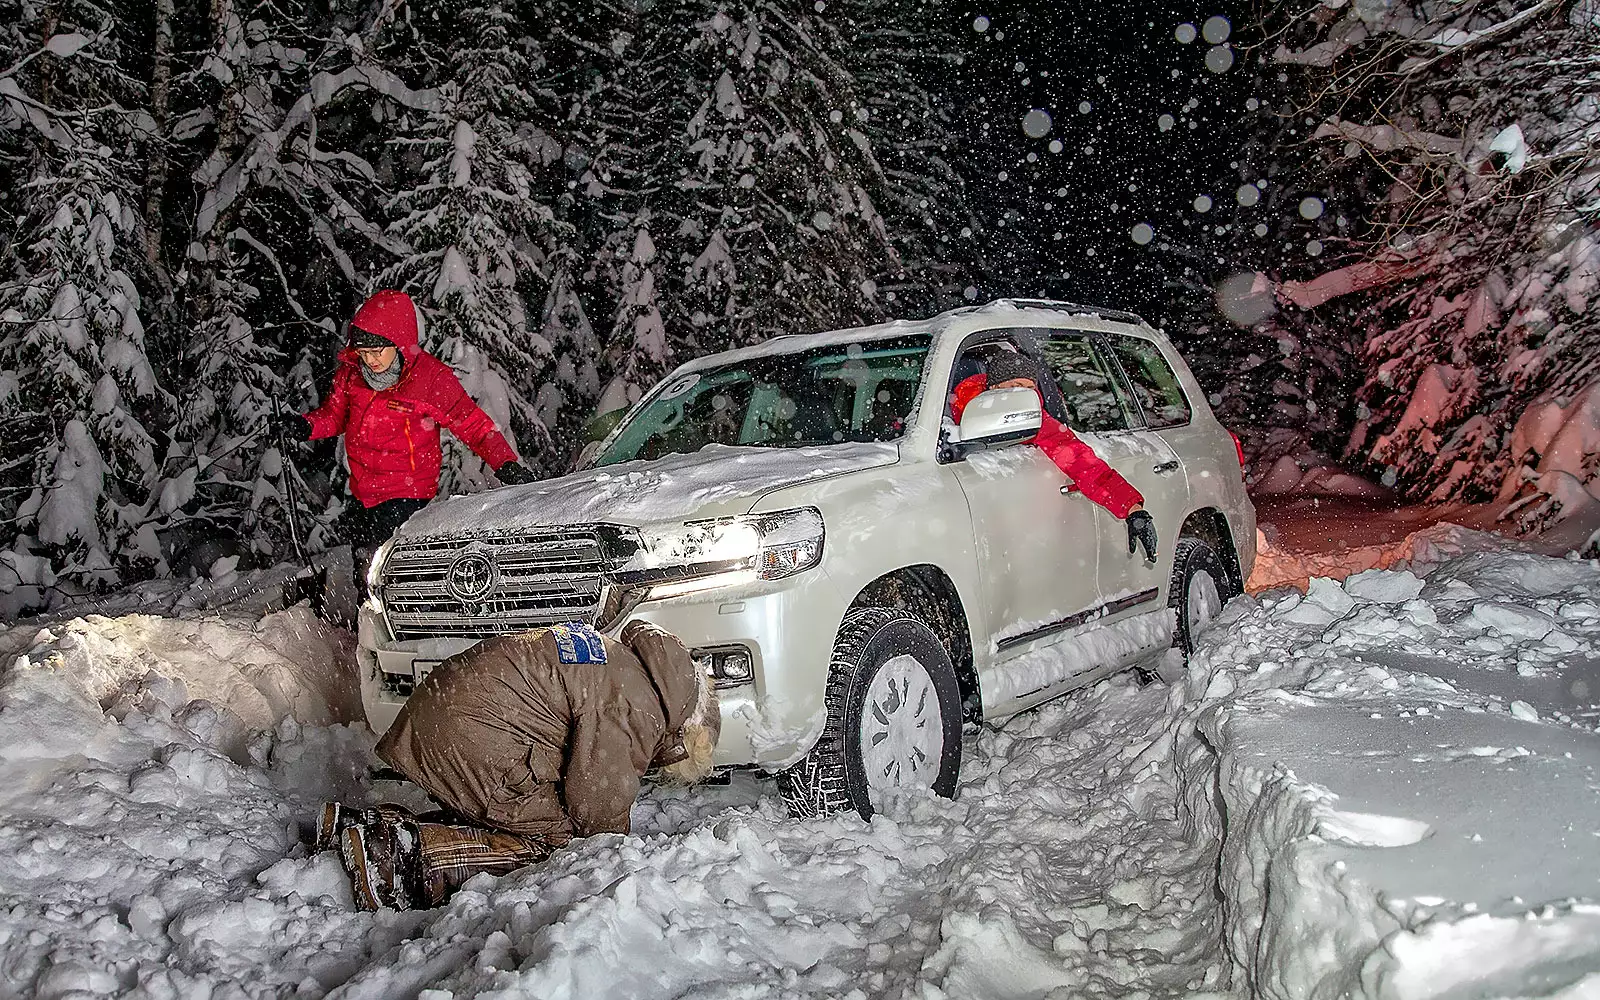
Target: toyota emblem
472,577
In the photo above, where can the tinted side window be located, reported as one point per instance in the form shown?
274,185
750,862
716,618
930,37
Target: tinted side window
1089,385
1155,384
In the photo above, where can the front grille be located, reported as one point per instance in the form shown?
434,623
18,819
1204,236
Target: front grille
543,579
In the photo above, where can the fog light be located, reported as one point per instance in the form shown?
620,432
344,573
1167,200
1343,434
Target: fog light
728,666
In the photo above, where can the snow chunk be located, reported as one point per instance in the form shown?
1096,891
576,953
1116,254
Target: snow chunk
1325,603
1511,144
1384,586
66,44
1512,620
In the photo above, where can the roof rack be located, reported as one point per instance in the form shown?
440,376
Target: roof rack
1056,305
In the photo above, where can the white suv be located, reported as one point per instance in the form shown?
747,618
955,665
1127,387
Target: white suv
862,576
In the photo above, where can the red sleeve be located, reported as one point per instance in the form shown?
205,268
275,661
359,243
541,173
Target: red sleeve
1090,473
327,420
467,421
965,392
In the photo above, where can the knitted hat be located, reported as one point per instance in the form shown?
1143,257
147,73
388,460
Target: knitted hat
1007,365
360,338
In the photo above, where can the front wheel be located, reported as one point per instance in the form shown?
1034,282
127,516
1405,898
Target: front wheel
894,719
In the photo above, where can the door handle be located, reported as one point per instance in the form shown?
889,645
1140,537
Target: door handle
1166,467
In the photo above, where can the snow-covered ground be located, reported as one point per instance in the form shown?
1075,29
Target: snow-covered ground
1385,788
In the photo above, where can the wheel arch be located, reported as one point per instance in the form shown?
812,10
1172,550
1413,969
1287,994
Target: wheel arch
927,591
1210,525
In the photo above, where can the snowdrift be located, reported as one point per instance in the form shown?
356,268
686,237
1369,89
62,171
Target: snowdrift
1381,788
1401,774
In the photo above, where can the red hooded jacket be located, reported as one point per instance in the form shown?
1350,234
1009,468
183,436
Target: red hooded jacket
391,436
1090,473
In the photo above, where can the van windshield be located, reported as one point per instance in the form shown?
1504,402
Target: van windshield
827,395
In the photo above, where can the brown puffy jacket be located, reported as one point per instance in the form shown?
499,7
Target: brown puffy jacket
509,735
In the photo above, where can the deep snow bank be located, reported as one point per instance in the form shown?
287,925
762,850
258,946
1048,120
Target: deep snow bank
157,851
151,770
1403,775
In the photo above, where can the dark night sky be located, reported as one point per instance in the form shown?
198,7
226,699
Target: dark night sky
1106,73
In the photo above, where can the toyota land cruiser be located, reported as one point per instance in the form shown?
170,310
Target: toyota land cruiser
862,576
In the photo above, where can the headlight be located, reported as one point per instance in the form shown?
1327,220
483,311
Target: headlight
791,542
375,571
705,554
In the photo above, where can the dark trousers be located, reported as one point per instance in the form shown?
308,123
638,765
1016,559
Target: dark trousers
369,527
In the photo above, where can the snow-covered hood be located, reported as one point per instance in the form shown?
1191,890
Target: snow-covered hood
715,481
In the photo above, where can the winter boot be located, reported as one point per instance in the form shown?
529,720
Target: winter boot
381,858
336,817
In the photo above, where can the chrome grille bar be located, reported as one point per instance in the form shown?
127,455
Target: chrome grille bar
543,579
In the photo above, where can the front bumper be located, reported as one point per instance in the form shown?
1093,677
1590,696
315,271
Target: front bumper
787,626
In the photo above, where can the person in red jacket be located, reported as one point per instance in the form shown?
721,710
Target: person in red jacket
1090,474
389,399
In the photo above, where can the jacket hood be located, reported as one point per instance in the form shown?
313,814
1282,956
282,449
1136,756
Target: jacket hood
394,317
671,670
715,481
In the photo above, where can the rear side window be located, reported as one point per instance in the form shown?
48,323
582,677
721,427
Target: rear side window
1155,384
1089,385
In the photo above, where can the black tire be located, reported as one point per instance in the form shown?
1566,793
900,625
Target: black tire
832,777
1191,558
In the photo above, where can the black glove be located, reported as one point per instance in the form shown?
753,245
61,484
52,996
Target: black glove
292,426
1142,531
514,473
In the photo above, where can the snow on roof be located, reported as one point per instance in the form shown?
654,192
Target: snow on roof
1041,312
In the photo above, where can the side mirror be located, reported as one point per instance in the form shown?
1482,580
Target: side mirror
1000,417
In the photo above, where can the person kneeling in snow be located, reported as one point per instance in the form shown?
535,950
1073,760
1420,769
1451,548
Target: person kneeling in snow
1090,473
527,741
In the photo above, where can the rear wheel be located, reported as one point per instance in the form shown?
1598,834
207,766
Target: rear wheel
894,719
1199,589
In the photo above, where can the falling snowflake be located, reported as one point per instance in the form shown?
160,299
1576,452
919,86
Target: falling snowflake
980,24
1248,195
1165,123
1036,123
1216,30
1314,248
1055,145
1219,59
1143,233
1186,33
1202,203
1085,107
1311,208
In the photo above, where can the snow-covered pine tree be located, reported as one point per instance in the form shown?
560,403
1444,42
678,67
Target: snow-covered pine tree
478,234
76,386
272,116
777,171
903,54
637,347
565,402
1476,122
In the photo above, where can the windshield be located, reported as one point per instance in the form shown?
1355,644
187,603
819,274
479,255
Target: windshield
847,392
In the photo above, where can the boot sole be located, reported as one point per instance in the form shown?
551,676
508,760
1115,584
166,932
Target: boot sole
329,827
353,852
